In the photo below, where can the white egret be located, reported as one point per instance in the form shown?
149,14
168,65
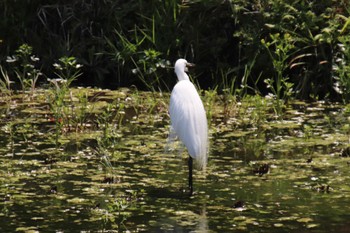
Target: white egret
188,119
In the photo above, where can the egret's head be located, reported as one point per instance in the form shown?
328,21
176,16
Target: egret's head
181,66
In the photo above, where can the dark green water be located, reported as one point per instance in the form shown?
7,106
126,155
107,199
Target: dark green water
124,180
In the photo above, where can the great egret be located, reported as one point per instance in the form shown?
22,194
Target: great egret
188,119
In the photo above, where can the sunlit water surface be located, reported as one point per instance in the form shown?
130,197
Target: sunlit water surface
265,174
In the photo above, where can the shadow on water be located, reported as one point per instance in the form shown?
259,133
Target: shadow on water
106,171
166,193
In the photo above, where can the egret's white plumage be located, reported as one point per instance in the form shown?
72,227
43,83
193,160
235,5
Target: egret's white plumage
188,117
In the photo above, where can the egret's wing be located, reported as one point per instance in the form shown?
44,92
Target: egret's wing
188,119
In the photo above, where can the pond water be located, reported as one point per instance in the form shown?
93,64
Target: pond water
100,162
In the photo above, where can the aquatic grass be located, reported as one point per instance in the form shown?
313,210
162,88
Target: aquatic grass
209,103
147,68
252,112
245,87
308,131
118,210
230,84
23,64
346,129
80,111
5,83
119,207
151,64
148,106
109,168
260,110
140,54
67,70
228,78
9,128
341,68
76,110
109,121
56,105
230,103
279,49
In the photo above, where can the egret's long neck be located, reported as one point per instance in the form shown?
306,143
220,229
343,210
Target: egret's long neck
181,75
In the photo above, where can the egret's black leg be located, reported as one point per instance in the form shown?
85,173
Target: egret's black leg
190,164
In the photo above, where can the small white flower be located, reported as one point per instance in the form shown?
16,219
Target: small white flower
34,58
57,66
338,88
55,80
270,96
341,47
78,66
11,59
339,60
29,66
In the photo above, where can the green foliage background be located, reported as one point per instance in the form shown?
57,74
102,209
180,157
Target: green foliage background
235,43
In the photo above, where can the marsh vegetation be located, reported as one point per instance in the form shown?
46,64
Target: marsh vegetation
101,165
76,156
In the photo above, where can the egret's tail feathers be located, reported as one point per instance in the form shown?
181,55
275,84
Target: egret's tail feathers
170,144
202,157
198,150
202,161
